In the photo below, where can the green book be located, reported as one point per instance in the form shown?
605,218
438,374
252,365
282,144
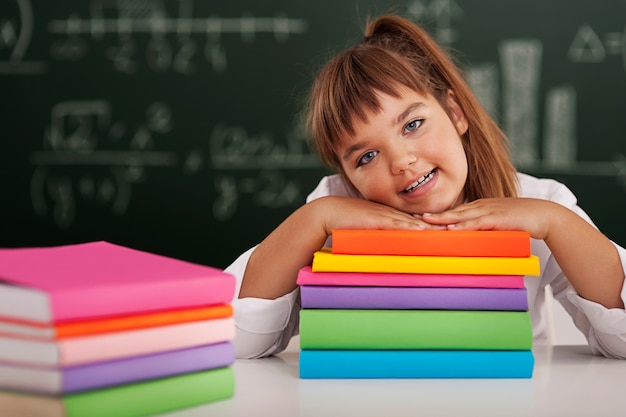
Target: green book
131,400
415,329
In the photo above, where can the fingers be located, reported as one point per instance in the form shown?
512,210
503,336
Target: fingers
361,214
466,217
401,220
389,218
429,225
454,216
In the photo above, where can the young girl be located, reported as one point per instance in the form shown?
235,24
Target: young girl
414,149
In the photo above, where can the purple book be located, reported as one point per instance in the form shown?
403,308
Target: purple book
414,298
115,372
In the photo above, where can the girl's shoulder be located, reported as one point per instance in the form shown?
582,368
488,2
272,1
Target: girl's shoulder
545,189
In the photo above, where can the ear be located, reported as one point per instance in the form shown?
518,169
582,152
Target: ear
457,115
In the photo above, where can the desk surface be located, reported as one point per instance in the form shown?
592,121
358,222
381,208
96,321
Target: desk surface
568,381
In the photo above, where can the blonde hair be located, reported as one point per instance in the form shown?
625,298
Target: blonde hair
394,53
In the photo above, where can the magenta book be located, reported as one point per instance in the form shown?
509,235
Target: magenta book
97,279
307,277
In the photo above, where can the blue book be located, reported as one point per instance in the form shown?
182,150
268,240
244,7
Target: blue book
416,364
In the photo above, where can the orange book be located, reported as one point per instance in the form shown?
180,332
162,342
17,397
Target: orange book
484,243
61,330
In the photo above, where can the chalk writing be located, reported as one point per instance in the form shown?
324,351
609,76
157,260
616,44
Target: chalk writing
131,22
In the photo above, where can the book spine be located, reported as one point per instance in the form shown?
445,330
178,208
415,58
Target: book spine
152,397
138,321
85,349
109,373
415,364
414,329
106,301
432,243
333,297
327,262
370,279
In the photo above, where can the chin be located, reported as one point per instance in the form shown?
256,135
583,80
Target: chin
432,210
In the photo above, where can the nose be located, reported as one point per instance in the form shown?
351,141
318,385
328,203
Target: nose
402,161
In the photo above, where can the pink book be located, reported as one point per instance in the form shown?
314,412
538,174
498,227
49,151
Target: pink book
307,277
116,345
99,279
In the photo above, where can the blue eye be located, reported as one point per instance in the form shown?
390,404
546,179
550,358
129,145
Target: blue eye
413,125
366,158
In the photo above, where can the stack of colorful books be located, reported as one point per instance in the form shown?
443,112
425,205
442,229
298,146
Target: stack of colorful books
98,329
418,304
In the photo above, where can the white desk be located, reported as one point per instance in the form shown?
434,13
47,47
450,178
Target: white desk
568,381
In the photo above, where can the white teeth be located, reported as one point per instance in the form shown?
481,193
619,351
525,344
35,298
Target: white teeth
420,182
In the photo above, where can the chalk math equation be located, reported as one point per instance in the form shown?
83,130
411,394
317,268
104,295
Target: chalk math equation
93,154
119,23
120,155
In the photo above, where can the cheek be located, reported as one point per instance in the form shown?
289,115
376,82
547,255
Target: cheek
358,182
459,162
461,154
452,150
365,184
351,178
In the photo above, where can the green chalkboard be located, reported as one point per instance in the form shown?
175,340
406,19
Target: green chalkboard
172,125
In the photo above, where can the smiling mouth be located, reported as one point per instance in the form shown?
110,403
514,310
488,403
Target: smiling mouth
426,178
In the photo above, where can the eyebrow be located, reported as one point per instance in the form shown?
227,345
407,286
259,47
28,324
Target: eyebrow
360,145
352,149
410,108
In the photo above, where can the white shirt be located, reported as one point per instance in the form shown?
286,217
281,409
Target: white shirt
265,327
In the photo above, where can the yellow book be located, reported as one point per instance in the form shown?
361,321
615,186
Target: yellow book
325,261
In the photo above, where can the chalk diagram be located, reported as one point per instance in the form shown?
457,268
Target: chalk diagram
133,17
92,156
81,133
16,31
553,151
77,132
232,149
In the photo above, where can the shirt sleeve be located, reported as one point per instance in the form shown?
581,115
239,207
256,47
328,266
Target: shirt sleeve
265,327
607,326
605,329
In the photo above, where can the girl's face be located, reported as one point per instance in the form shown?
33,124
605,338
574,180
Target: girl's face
409,155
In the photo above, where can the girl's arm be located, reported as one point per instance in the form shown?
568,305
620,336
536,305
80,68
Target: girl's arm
273,266
586,256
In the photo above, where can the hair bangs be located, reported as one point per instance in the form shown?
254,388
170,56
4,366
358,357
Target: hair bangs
368,71
355,82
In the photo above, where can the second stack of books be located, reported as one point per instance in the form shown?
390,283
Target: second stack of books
98,329
418,304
